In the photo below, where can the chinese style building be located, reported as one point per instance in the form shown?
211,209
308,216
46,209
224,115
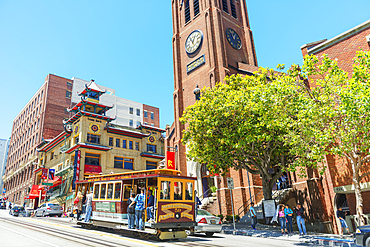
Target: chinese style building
90,144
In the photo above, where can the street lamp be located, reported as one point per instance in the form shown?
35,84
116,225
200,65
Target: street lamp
197,93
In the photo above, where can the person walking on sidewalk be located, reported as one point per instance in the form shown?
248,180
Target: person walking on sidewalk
282,219
289,216
253,216
341,216
299,213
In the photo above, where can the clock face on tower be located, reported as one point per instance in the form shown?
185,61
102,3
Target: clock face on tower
194,41
233,38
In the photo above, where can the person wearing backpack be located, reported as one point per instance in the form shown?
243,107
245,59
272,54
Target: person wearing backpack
131,211
139,209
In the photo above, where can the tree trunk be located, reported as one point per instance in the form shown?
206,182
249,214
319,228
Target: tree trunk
359,200
267,188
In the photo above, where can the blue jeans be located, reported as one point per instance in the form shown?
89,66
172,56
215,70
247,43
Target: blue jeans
254,221
149,212
131,221
139,219
282,221
290,223
343,223
88,213
301,225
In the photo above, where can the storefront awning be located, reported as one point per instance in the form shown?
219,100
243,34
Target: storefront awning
35,192
55,182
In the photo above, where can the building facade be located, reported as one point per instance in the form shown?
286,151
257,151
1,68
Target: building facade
211,40
4,148
42,119
337,180
98,146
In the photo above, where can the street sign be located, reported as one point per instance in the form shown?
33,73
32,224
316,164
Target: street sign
230,183
47,184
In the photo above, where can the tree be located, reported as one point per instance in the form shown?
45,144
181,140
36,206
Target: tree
334,118
241,124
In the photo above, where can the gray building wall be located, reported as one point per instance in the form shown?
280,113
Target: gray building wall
4,148
121,106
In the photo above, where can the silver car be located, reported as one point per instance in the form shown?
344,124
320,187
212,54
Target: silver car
207,223
49,209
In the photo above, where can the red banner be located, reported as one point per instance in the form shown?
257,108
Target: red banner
171,160
44,173
78,165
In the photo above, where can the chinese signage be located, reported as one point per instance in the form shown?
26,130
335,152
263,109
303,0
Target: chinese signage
170,160
76,168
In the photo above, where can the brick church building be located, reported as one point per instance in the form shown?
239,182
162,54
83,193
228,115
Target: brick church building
211,40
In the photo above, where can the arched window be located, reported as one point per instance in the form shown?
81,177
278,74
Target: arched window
187,11
224,6
196,7
233,10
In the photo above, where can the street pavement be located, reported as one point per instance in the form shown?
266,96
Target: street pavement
54,231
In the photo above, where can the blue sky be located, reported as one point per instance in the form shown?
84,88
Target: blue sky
126,45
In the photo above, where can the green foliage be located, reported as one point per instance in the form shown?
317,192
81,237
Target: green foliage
230,217
220,216
213,189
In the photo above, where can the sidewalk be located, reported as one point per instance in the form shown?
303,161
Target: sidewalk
274,232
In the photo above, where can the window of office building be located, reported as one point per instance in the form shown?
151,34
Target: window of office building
131,110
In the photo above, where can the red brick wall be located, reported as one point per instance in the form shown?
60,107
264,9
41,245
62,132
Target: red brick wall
148,119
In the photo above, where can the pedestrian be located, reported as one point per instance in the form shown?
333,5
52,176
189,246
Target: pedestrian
78,204
253,216
289,216
139,208
150,206
282,219
89,198
341,216
84,204
299,212
131,211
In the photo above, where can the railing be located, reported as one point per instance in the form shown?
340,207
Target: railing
246,204
205,193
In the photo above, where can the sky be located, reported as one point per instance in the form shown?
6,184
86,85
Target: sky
126,45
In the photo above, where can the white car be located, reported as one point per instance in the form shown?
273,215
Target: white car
207,223
49,209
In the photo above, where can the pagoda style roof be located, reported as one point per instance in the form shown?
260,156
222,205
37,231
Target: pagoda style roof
144,126
92,86
84,102
121,130
80,113
54,142
89,146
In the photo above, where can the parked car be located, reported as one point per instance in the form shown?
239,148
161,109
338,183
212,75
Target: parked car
16,210
362,236
49,209
207,223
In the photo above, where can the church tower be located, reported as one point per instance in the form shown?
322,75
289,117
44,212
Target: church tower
211,39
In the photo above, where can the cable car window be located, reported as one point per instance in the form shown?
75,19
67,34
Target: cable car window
110,191
96,191
189,191
178,191
117,191
127,191
165,190
102,191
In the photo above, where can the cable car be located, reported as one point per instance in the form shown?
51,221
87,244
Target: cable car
174,202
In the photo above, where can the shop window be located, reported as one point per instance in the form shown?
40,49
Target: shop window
177,191
93,138
117,191
110,191
189,191
111,141
96,191
102,191
165,190
150,165
92,159
151,148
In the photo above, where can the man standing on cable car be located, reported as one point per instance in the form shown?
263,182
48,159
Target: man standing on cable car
150,206
139,208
